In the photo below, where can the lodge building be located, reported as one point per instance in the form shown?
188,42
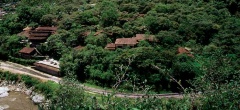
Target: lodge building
130,42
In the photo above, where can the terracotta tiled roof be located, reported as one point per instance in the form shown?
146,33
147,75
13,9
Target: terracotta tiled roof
24,33
110,46
182,50
126,41
37,38
27,50
27,28
47,28
78,47
40,34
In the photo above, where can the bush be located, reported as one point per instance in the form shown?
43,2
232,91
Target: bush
29,81
47,88
22,61
8,76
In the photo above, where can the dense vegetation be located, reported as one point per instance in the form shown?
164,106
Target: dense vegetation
211,28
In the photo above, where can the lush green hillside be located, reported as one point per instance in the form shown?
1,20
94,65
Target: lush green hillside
210,28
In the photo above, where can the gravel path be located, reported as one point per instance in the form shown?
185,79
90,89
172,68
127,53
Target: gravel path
20,69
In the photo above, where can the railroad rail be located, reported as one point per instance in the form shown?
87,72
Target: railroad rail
17,68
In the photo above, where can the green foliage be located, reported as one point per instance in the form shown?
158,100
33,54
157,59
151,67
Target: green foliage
109,13
10,25
7,76
48,88
100,40
219,81
48,20
87,17
209,28
9,46
57,44
152,24
29,81
131,8
223,97
26,14
21,61
69,96
165,8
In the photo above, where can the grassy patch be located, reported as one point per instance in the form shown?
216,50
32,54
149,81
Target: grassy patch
8,76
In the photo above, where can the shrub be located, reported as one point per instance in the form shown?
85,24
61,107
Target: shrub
47,88
29,81
8,76
21,61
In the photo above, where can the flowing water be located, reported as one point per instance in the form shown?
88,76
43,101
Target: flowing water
17,101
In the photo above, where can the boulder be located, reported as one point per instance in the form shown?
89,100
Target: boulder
28,92
4,91
17,89
38,98
3,107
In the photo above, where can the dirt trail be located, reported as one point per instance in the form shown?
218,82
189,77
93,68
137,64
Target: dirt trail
20,69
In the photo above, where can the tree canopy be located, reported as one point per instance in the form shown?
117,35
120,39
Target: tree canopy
207,29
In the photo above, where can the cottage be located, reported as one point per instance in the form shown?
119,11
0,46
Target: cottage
123,42
185,50
131,42
49,66
110,46
27,52
38,35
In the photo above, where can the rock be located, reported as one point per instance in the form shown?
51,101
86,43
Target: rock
28,92
33,93
4,83
3,107
17,89
4,91
38,98
5,94
13,82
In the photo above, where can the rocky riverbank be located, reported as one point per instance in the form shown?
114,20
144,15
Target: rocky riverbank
10,86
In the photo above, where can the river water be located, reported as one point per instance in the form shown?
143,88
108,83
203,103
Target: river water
17,101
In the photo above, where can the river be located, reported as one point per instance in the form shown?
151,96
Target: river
17,101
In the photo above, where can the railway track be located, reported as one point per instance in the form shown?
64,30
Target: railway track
17,68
